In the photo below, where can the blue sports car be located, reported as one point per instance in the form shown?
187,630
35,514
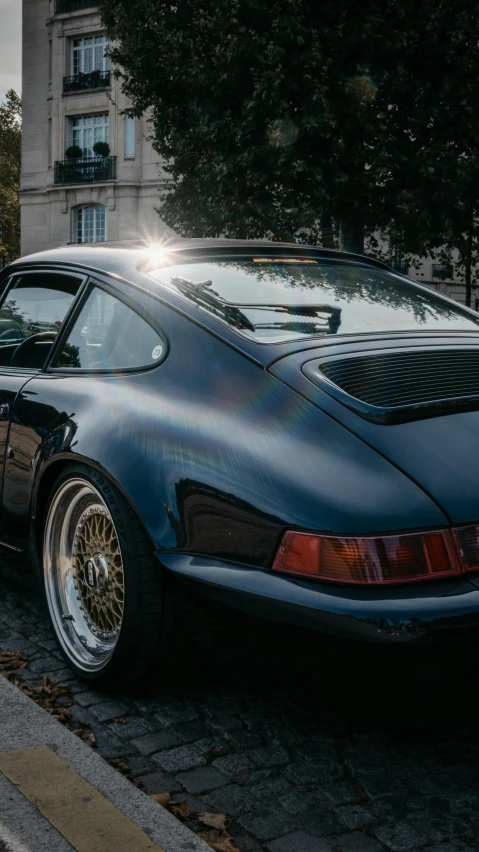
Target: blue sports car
292,430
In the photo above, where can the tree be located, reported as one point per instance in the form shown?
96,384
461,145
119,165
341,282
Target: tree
431,202
10,164
459,251
278,118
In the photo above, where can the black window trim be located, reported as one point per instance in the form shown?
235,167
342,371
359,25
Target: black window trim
83,279
93,283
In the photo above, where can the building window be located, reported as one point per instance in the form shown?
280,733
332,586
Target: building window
129,123
87,130
50,153
399,263
50,62
89,55
442,269
89,224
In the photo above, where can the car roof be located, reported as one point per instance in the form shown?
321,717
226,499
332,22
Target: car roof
131,260
123,257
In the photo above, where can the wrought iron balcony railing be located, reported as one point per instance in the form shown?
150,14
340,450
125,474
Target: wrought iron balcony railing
399,264
64,6
85,82
442,270
85,170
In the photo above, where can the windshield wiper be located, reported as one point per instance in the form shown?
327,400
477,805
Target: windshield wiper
330,316
210,300
200,293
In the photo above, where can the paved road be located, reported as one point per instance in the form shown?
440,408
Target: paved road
304,745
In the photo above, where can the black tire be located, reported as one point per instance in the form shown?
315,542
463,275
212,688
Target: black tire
144,631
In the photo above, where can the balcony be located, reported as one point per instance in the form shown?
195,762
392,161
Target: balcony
399,265
85,170
86,82
442,270
64,6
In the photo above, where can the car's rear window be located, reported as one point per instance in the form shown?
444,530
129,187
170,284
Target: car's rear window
279,299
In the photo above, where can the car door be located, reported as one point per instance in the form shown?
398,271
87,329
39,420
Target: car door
33,307
109,342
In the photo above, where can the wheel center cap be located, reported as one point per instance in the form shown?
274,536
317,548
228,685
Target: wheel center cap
96,573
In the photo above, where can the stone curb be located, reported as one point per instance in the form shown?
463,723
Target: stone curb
23,724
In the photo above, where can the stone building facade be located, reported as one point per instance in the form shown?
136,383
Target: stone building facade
437,275
71,98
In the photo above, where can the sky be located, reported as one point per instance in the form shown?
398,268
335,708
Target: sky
10,46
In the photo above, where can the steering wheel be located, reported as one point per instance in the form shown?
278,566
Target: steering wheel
27,346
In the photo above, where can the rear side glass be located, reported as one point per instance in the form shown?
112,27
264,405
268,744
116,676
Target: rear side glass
108,335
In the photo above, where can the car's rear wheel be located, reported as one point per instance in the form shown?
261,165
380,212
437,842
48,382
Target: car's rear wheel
102,583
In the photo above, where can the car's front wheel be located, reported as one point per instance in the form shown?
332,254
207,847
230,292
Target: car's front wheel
102,583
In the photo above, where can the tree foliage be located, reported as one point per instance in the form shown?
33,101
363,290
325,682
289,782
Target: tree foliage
274,114
10,164
458,193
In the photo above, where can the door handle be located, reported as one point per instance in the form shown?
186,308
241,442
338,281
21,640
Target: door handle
4,411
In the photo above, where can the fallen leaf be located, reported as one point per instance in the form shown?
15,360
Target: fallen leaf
220,842
213,820
119,764
180,809
11,661
120,721
86,736
61,714
47,685
46,695
363,795
162,798
219,751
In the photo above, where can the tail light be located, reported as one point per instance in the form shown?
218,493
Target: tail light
389,559
467,540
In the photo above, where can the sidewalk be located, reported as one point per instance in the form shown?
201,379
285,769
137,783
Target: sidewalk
57,795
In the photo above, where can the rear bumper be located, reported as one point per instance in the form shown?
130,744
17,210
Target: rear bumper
405,615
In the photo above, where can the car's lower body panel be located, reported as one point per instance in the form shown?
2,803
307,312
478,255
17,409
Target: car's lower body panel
399,614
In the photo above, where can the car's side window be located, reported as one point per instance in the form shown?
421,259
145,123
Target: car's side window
109,335
32,311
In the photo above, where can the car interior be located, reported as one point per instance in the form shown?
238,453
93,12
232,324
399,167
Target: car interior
32,312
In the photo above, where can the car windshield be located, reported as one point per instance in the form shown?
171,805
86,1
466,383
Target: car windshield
279,299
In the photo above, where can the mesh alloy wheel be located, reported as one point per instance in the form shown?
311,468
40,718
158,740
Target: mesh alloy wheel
84,575
98,571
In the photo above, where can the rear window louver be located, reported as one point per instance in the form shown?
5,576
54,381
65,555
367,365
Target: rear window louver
401,386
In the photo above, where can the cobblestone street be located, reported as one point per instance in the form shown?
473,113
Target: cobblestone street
304,745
